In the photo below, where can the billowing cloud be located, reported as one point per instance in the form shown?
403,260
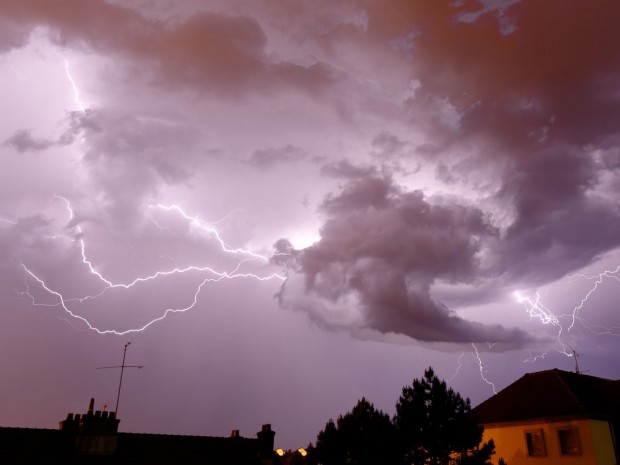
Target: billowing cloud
381,250
522,125
536,116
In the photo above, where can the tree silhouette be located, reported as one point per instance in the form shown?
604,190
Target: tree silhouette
364,436
435,425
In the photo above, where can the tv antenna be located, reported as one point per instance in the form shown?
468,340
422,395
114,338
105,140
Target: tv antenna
122,367
576,357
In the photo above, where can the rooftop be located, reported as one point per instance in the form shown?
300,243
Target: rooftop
93,438
553,394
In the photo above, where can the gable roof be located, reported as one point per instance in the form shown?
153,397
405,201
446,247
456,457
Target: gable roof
552,394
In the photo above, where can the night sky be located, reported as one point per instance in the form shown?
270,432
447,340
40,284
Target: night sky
288,205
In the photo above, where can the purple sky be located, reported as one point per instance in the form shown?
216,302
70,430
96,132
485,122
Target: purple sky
289,205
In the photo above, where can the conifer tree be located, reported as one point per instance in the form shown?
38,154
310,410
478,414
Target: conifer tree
435,425
364,436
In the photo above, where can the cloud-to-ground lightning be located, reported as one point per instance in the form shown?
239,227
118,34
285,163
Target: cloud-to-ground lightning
213,274
76,91
477,356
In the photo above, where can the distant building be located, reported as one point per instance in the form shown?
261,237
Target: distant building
554,417
93,438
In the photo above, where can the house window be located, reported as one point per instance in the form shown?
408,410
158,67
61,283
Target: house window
569,441
535,443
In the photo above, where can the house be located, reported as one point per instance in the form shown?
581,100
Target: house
554,417
93,438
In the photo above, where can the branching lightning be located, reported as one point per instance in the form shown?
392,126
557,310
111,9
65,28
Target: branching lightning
598,279
208,228
565,322
213,274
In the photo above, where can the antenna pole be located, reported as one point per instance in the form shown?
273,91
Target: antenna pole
120,383
122,367
576,361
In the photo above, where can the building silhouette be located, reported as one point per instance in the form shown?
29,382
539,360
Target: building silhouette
93,438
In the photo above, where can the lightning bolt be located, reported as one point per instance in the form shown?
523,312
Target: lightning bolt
208,228
565,322
76,91
477,356
213,275
598,279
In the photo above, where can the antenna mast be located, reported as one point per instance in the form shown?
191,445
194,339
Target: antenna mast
122,367
576,356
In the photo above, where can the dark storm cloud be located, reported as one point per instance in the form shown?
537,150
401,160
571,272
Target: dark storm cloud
12,35
381,249
268,158
23,141
208,51
552,232
531,109
509,109
345,169
537,106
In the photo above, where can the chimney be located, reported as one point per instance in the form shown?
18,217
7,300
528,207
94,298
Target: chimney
234,433
265,443
92,422
70,424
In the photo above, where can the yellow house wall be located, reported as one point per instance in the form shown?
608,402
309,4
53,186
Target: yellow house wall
603,443
594,438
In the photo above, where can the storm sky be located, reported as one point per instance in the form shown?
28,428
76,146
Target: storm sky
288,205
